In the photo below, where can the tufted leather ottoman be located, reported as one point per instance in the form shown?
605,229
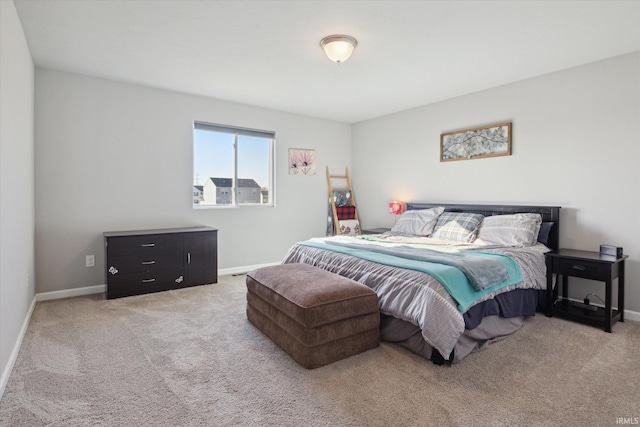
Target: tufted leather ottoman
316,316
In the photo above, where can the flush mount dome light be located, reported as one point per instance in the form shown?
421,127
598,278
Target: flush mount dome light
338,47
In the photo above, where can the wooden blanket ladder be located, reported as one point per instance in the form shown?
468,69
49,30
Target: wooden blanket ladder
338,205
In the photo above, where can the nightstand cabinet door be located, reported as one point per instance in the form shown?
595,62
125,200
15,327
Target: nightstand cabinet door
200,258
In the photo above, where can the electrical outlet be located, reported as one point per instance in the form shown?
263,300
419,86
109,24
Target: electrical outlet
91,261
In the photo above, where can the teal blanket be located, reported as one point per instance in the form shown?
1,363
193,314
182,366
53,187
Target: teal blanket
452,277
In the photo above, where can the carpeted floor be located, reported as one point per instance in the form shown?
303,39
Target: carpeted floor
191,358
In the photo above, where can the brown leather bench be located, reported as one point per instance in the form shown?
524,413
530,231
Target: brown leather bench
316,316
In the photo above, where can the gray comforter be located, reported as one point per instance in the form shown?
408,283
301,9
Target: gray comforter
481,272
418,297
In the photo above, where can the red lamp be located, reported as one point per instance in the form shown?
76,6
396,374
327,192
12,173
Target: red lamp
396,208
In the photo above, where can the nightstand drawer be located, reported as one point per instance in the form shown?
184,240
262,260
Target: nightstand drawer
582,268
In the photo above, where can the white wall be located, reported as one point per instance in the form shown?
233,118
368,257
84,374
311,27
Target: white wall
16,185
115,156
575,145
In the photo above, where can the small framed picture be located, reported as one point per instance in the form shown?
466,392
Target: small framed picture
302,161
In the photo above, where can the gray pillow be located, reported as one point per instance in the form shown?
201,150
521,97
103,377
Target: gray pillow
517,230
417,222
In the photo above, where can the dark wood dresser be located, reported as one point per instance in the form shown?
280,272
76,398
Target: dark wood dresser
143,261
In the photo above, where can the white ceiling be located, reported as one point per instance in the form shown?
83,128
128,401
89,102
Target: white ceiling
266,53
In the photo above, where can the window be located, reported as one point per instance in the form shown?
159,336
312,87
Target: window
229,160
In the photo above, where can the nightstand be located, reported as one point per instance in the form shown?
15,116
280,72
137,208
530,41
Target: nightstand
587,265
375,230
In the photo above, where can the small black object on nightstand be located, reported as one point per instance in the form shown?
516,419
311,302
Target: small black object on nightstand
615,251
587,265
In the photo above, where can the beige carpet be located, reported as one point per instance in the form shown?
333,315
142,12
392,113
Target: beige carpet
191,358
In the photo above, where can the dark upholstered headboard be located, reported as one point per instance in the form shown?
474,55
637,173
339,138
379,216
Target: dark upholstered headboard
548,213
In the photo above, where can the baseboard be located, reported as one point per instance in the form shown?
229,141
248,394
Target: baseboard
16,349
245,269
76,292
67,293
634,316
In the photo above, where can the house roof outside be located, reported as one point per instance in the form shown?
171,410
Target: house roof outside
199,187
228,183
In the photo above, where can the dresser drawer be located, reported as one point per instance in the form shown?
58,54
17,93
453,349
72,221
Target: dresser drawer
126,284
580,268
146,244
152,261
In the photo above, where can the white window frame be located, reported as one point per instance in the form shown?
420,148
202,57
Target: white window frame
239,131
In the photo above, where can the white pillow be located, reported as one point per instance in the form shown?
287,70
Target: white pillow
349,227
417,222
517,230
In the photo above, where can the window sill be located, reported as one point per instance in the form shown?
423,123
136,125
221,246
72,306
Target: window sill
205,207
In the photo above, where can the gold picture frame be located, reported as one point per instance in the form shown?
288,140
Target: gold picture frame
476,143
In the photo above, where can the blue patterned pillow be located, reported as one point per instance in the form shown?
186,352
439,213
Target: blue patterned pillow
457,226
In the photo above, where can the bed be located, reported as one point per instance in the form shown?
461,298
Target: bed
418,269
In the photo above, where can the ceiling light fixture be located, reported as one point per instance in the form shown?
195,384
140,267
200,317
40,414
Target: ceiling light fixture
338,47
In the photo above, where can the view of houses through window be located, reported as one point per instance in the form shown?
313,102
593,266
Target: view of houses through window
232,166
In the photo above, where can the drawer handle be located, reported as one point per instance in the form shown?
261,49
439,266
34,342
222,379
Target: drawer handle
148,245
579,267
148,280
148,262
